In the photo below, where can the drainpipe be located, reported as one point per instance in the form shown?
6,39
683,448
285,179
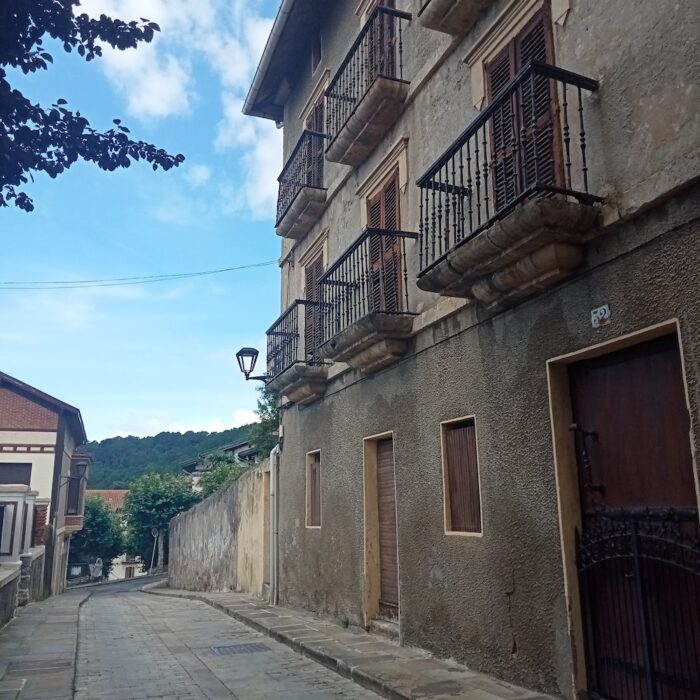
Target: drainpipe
274,527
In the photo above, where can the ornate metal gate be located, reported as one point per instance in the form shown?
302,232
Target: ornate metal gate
639,573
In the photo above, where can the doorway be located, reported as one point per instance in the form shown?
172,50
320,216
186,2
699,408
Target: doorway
381,531
636,539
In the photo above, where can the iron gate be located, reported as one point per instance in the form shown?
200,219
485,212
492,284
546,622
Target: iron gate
639,572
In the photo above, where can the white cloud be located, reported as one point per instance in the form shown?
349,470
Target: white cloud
155,85
198,175
158,80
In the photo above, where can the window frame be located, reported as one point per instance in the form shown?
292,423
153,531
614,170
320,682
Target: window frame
309,461
447,515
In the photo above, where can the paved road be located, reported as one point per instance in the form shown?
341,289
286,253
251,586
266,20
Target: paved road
133,645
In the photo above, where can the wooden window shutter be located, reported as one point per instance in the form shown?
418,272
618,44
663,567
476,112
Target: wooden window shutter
385,251
313,507
536,108
312,316
462,477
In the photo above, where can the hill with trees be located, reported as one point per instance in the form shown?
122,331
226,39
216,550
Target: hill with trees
118,461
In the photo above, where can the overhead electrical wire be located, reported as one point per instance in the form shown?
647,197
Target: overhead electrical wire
125,281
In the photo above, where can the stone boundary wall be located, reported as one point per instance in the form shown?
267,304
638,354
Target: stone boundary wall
31,584
220,544
9,584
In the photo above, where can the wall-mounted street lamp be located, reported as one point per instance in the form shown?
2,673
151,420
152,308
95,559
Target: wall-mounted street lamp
247,357
78,471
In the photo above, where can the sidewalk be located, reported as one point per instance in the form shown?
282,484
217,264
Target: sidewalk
38,647
393,671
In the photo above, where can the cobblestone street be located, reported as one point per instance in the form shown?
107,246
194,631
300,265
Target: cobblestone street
132,646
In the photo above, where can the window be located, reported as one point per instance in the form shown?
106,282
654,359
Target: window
531,107
461,477
313,271
11,473
385,251
8,512
313,489
316,52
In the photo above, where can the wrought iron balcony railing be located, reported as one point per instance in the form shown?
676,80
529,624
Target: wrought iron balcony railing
303,169
370,276
294,337
377,51
529,141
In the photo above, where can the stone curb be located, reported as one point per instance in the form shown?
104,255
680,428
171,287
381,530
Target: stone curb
353,673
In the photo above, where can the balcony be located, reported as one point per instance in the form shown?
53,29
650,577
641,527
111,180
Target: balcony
302,197
294,368
366,320
506,211
451,16
366,96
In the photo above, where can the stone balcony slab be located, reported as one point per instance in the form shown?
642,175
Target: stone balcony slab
377,111
372,342
452,16
536,246
303,213
301,383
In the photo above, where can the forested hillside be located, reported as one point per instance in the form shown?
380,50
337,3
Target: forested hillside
119,460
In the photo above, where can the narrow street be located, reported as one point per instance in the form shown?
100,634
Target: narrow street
133,646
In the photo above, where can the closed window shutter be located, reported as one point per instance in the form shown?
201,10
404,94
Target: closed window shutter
314,493
462,477
531,106
385,251
537,112
315,145
312,325
498,74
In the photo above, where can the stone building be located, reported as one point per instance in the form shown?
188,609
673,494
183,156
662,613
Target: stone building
488,350
40,439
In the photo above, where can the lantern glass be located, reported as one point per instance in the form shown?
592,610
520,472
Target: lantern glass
247,357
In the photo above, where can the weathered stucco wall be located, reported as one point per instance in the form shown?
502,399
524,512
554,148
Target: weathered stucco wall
219,545
495,602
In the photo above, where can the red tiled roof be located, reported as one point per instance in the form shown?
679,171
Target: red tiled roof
112,498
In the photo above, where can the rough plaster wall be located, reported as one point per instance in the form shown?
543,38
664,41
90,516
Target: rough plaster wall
8,601
495,602
218,544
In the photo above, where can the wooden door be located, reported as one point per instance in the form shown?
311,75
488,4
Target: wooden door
385,251
313,272
388,538
527,118
639,552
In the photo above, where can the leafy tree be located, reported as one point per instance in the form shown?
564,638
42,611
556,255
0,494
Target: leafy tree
263,435
118,461
37,139
101,536
153,500
222,470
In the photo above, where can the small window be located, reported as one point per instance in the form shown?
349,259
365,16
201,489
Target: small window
313,489
461,477
316,52
11,473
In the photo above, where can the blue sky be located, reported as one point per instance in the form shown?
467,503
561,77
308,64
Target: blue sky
140,359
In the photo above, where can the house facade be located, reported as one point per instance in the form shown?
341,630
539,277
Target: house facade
40,439
487,353
242,452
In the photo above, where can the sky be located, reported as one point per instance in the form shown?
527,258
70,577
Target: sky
144,358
